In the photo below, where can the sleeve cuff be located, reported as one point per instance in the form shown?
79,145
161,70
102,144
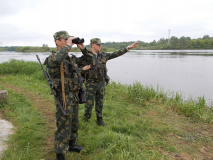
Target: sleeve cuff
127,48
84,50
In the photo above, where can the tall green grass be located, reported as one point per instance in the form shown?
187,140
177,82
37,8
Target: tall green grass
139,93
196,109
21,67
27,75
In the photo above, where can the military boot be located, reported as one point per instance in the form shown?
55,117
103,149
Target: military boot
100,122
85,119
60,157
73,147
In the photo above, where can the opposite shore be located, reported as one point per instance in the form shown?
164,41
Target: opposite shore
174,43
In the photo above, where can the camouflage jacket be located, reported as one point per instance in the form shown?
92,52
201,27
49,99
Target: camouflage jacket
70,65
98,64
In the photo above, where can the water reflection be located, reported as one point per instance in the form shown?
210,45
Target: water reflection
188,71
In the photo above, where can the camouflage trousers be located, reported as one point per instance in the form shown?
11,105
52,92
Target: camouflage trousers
95,91
67,127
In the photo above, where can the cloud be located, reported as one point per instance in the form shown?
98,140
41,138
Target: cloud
15,36
11,7
34,22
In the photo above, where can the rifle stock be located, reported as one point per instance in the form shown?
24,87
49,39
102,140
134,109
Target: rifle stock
51,86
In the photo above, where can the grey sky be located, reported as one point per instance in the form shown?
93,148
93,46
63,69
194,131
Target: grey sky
33,22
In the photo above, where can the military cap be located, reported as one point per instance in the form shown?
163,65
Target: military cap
61,34
95,41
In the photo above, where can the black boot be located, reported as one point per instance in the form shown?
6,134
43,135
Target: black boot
73,147
60,157
85,119
100,122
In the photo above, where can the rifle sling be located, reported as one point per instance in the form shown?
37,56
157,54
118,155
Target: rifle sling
62,85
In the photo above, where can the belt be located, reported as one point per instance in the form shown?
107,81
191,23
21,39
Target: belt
96,80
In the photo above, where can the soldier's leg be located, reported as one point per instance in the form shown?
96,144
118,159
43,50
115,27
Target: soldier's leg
99,99
99,103
63,132
91,91
75,123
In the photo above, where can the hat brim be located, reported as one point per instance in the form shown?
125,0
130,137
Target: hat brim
67,36
97,43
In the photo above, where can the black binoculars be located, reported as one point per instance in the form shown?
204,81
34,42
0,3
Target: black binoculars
78,40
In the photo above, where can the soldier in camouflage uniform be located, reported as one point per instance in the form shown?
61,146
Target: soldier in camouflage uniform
95,78
67,127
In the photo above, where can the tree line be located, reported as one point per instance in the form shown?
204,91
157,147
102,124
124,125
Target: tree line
181,43
206,42
173,43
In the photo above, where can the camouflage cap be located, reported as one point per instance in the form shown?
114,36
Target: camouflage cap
61,34
96,41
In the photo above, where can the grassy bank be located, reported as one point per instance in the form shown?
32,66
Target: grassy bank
29,136
142,123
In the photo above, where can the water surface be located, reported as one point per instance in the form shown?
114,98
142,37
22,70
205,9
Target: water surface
188,71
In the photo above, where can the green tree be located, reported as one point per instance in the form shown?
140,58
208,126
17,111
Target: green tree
200,43
206,37
153,43
182,41
174,41
162,41
104,49
45,47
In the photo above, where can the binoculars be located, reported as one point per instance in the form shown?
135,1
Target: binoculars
78,40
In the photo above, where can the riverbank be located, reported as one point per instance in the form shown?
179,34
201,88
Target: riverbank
174,43
150,130
142,123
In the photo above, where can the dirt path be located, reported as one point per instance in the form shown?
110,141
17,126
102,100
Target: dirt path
47,108
5,131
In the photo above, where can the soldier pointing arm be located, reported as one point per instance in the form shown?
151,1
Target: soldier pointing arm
95,78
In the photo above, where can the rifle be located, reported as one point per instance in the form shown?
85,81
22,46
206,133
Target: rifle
51,86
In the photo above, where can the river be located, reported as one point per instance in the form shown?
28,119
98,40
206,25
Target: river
187,71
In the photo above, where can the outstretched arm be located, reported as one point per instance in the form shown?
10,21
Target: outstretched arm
120,52
134,45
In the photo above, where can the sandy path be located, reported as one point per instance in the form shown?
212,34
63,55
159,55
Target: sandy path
5,131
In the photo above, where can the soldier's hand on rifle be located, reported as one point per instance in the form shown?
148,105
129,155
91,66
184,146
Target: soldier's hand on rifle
134,45
69,41
87,67
81,46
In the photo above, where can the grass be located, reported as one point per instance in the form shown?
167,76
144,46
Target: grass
29,138
195,109
142,123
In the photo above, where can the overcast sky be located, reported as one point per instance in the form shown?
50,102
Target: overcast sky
33,22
